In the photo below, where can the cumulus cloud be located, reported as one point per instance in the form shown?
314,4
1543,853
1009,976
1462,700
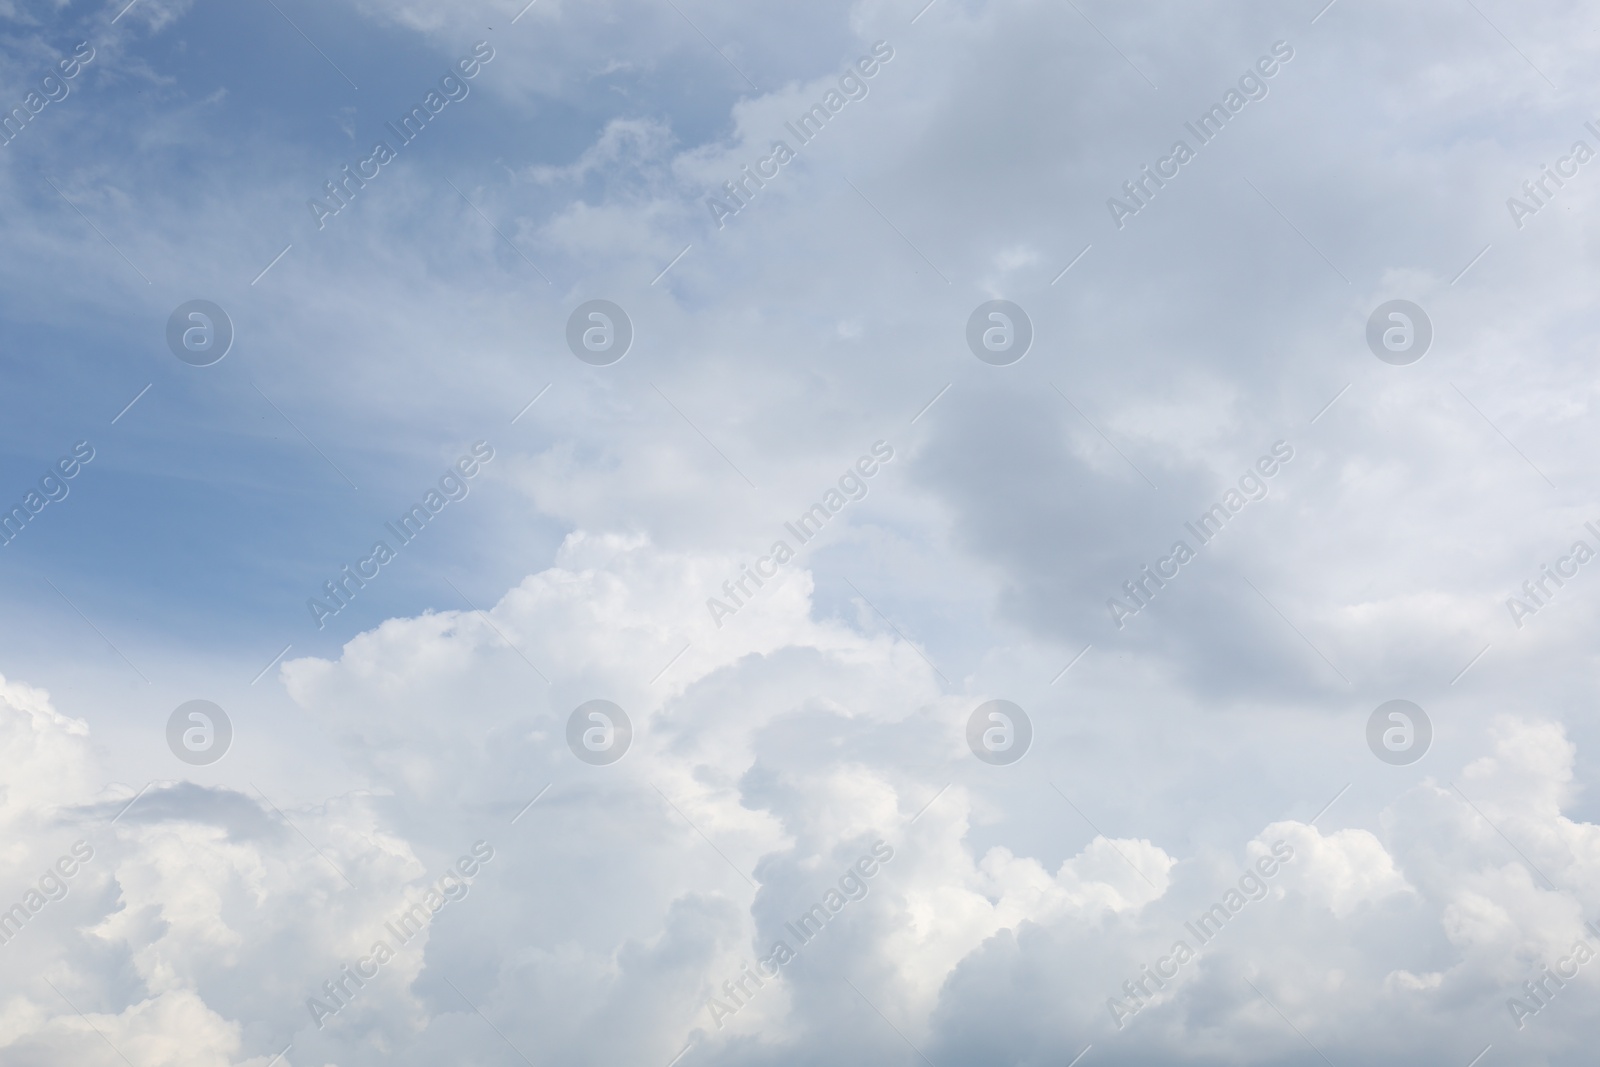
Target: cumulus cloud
767,766
1183,755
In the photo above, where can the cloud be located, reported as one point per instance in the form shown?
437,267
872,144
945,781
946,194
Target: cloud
773,748
776,757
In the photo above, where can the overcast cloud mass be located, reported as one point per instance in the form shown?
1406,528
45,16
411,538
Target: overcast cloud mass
681,534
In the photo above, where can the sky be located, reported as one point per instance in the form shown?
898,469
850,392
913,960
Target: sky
947,533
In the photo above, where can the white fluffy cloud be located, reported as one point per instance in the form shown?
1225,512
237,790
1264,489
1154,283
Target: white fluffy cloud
775,757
